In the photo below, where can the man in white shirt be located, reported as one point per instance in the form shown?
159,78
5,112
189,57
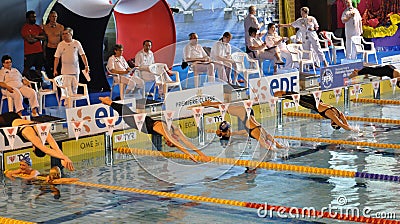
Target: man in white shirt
68,50
117,65
353,27
201,62
251,21
17,87
143,59
221,55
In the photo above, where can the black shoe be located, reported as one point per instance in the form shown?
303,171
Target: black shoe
280,62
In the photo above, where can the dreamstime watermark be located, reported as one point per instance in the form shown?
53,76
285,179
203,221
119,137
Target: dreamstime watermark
332,211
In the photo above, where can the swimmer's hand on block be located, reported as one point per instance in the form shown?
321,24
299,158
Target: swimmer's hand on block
86,74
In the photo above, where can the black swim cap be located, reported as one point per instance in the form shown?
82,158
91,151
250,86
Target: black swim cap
224,126
39,153
335,126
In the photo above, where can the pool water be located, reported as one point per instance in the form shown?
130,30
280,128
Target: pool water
79,204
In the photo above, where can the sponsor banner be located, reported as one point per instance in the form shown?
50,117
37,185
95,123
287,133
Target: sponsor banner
264,88
5,144
391,60
43,131
93,116
131,138
337,75
317,96
365,91
169,117
181,101
84,145
12,158
386,86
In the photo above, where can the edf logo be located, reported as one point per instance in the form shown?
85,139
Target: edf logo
283,84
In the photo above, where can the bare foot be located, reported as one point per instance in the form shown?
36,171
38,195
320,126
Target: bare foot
105,100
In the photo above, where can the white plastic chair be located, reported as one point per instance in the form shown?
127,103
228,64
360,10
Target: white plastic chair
42,93
337,43
68,96
295,54
163,79
306,57
10,103
239,58
359,43
325,46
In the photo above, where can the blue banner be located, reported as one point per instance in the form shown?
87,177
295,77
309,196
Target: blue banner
337,75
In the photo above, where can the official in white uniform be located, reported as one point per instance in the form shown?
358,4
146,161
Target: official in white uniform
353,27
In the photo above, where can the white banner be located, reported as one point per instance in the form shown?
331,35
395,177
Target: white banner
317,97
94,114
197,114
296,99
357,89
139,120
264,88
77,128
375,85
181,101
272,104
222,109
43,131
393,83
338,93
11,134
248,104
110,124
169,117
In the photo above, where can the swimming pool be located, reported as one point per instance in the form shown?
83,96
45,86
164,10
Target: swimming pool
80,204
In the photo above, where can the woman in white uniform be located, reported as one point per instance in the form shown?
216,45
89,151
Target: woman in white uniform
353,27
308,26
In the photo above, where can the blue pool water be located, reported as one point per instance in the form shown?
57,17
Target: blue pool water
78,204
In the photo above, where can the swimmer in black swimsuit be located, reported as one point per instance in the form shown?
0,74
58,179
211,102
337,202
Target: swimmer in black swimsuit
158,127
380,71
338,120
28,132
253,128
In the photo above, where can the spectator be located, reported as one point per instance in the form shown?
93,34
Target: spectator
273,39
53,31
68,50
308,27
260,49
251,21
353,27
221,55
118,65
32,34
201,62
143,59
17,87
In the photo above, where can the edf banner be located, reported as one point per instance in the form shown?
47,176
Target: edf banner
337,75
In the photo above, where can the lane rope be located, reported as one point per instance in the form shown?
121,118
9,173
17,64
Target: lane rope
4,220
376,101
342,142
264,165
260,206
350,118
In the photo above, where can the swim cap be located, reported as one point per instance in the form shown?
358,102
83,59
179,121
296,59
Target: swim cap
335,126
27,160
39,153
224,126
